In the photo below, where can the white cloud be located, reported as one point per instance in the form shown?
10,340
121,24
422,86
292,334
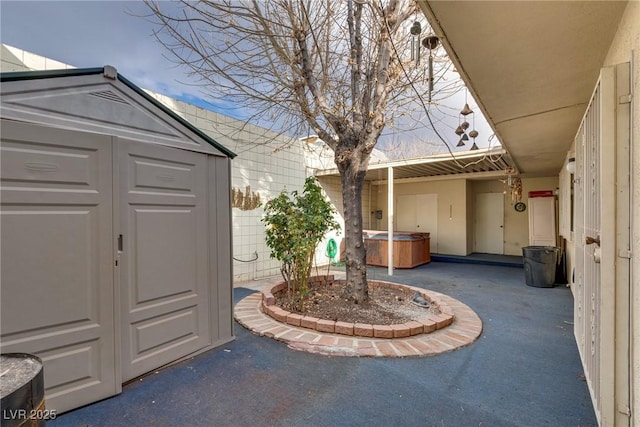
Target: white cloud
93,34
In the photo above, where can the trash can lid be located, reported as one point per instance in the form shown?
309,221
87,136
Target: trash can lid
16,370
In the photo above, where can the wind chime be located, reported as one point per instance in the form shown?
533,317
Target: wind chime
461,130
513,185
415,31
430,42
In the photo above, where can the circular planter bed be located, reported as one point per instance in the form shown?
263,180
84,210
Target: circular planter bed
435,315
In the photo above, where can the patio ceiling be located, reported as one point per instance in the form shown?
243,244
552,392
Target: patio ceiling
480,164
531,66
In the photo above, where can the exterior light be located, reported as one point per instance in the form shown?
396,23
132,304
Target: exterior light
571,165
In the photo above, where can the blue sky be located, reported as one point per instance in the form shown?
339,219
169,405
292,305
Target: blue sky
97,33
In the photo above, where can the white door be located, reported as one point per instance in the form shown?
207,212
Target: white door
489,223
419,212
623,281
164,258
601,308
58,259
542,221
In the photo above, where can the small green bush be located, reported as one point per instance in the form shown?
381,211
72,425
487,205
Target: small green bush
295,225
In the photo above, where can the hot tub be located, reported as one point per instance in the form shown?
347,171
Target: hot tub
409,249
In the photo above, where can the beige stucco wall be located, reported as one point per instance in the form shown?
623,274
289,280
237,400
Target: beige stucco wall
452,210
627,37
456,200
516,224
470,216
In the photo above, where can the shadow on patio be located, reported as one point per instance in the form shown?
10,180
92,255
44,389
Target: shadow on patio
524,370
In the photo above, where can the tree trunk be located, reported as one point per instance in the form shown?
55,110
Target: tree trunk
352,179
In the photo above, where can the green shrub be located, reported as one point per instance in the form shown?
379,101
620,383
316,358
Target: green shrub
295,225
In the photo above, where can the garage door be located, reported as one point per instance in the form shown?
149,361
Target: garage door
57,259
164,255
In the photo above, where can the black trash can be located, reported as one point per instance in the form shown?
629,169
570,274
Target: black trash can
540,265
22,391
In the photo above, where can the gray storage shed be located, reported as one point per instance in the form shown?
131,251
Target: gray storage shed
115,232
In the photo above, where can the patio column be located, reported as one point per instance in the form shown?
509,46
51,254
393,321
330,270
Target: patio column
390,220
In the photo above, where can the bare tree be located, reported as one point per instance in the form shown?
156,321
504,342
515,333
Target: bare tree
337,67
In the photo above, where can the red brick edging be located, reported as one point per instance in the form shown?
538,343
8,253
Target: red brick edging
464,330
425,325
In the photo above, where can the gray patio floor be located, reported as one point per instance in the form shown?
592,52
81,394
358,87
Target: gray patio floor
524,370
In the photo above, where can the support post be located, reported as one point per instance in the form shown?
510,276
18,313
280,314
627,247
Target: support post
390,220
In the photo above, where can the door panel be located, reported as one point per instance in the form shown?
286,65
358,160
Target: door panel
57,259
595,286
623,308
427,218
542,221
164,259
489,226
406,213
419,212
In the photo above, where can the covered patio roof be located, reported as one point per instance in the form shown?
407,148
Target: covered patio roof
531,66
484,163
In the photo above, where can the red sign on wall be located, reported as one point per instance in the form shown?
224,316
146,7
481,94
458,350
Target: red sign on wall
541,193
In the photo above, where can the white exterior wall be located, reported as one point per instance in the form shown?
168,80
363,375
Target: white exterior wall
14,59
266,164
333,190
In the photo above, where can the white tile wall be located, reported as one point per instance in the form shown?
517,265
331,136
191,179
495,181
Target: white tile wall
35,62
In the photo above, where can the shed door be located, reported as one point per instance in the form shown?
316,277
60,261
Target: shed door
164,226
58,258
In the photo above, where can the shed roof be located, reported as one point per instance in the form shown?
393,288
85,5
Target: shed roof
22,104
